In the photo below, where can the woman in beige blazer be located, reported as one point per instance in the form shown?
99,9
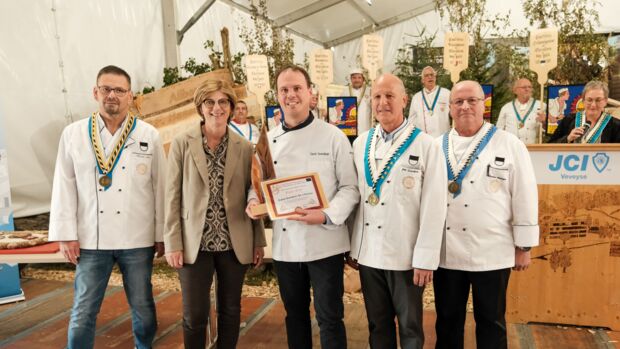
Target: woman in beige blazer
206,227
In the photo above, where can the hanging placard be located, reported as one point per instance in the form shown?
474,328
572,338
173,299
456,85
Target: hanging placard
456,54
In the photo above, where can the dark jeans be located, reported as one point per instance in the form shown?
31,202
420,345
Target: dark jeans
196,282
389,294
326,278
489,296
91,279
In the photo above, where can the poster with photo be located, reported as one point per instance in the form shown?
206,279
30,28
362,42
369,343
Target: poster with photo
342,112
562,101
6,213
488,100
274,116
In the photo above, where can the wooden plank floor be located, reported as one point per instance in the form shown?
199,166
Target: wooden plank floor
41,322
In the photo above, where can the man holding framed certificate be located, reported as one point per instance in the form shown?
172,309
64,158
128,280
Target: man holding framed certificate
399,223
309,247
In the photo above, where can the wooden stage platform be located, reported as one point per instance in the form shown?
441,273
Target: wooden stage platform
41,322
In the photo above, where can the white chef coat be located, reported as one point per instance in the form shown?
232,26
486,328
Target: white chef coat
316,147
438,123
127,215
507,120
406,228
497,208
364,108
246,129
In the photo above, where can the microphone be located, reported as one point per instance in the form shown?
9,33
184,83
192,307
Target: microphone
586,128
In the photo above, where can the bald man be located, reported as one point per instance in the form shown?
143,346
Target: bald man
429,108
523,116
491,224
399,223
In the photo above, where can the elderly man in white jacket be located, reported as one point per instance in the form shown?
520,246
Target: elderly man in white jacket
491,224
107,208
399,223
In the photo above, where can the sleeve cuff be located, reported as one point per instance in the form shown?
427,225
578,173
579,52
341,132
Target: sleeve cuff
526,235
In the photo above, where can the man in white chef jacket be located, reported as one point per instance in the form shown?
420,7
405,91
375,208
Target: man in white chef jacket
107,208
399,223
359,89
429,107
241,125
308,250
523,116
492,221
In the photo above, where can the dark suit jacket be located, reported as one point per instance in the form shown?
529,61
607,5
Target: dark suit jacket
611,133
187,195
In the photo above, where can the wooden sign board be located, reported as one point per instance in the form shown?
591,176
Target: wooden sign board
322,70
456,54
372,54
543,52
257,72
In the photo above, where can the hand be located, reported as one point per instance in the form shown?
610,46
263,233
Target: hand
522,260
541,116
71,250
422,277
553,119
575,133
175,259
159,249
248,208
314,216
353,263
259,253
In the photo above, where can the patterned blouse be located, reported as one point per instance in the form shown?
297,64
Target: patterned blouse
215,234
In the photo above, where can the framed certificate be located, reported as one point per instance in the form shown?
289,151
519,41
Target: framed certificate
284,195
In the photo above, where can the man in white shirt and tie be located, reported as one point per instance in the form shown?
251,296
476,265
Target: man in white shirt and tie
523,116
429,107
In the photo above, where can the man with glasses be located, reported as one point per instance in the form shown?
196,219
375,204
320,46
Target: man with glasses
523,116
429,107
491,224
594,124
107,208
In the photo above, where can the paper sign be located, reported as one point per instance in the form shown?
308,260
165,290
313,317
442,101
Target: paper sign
372,54
456,54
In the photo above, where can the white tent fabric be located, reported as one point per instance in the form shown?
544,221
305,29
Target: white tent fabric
50,52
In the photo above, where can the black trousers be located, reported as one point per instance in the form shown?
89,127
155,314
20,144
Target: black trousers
389,294
326,278
489,296
196,282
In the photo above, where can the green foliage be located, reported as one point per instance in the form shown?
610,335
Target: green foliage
172,76
148,89
266,38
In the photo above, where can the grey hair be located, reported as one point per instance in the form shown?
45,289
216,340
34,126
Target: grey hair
596,85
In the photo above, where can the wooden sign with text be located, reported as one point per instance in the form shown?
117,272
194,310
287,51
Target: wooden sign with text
372,54
257,72
322,70
456,54
543,58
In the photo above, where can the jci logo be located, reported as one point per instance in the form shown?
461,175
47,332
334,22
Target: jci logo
573,162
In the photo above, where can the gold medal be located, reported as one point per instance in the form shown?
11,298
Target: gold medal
453,187
408,182
521,125
105,181
373,199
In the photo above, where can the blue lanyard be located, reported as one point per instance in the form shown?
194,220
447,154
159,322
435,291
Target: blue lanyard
376,186
458,178
239,131
522,120
434,101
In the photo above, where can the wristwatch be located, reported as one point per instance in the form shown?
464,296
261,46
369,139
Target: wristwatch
524,249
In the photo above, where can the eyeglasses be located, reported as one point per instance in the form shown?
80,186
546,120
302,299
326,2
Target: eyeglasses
590,100
470,101
223,103
106,90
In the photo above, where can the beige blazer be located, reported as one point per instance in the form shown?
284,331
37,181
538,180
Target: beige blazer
187,195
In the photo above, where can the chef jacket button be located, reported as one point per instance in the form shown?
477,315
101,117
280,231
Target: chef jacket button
100,211
388,181
123,167
448,205
472,182
274,140
379,227
466,205
275,162
464,229
283,229
367,224
119,189
100,189
447,228
383,204
366,201
118,212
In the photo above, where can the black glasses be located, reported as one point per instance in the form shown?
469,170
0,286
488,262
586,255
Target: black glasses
223,103
106,90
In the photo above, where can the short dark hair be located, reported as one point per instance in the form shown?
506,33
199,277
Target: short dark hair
112,69
294,68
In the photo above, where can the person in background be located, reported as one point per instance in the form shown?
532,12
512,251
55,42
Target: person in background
429,108
359,89
241,125
523,116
